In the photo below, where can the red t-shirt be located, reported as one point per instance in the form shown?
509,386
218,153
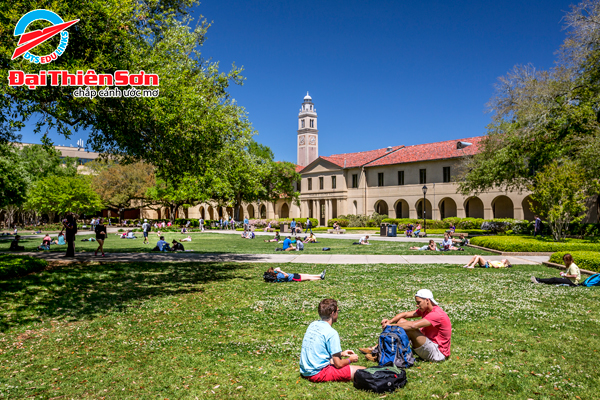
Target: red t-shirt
440,330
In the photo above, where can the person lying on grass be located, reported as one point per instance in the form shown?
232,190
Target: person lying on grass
275,239
310,238
431,246
285,277
187,239
571,277
364,240
429,336
321,356
287,244
483,263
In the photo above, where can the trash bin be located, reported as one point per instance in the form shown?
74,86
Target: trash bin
383,230
284,228
391,230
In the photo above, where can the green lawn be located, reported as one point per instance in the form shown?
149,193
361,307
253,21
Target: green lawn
190,330
229,243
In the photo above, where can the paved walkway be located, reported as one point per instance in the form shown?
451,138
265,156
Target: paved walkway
281,258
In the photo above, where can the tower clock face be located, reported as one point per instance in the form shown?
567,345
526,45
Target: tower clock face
301,139
312,140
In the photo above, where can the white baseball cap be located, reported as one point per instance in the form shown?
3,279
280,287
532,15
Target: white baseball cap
426,294
145,220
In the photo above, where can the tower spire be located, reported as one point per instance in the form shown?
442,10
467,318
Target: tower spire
308,135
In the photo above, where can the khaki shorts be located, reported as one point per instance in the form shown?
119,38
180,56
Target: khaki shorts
430,352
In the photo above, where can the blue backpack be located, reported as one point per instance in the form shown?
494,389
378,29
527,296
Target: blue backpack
394,348
593,280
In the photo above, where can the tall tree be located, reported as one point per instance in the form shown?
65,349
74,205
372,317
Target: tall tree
121,184
181,131
14,178
543,116
57,195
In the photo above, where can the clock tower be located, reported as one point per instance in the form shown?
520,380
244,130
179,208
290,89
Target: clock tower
308,135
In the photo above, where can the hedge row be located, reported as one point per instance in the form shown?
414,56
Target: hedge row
589,260
529,244
341,222
12,266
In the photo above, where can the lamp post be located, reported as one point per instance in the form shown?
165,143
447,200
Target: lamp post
424,210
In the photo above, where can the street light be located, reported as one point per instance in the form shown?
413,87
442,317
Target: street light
424,210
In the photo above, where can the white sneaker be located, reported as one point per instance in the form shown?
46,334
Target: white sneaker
533,279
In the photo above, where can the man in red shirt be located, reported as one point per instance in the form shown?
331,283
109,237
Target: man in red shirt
430,335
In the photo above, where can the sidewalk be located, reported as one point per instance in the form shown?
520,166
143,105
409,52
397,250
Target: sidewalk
280,258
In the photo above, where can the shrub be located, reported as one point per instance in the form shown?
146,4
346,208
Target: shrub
529,244
341,222
403,223
12,265
589,260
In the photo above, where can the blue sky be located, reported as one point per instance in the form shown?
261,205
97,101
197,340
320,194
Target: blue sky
380,73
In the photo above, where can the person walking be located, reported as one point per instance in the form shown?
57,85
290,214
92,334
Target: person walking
201,224
70,228
100,230
537,228
308,226
145,230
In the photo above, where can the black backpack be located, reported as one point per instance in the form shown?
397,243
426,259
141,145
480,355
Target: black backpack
268,277
380,379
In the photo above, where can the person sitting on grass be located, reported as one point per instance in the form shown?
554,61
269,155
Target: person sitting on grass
310,238
161,245
321,355
287,244
483,263
184,230
429,336
417,231
409,230
61,239
285,277
364,240
46,242
177,246
431,246
275,239
461,241
248,235
570,278
447,244
186,239
14,245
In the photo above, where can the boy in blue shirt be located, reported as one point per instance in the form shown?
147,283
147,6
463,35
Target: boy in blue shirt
287,244
162,245
321,356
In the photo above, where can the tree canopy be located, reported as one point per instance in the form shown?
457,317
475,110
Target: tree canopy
540,117
180,131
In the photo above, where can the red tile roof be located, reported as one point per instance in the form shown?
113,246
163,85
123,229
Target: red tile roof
429,151
299,168
352,160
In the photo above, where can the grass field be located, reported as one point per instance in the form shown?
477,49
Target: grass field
231,243
189,330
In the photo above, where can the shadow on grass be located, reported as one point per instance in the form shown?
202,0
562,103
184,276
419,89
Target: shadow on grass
79,292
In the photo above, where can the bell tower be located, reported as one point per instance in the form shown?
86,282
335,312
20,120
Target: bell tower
308,135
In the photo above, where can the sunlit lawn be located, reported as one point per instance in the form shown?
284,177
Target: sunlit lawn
232,243
187,330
